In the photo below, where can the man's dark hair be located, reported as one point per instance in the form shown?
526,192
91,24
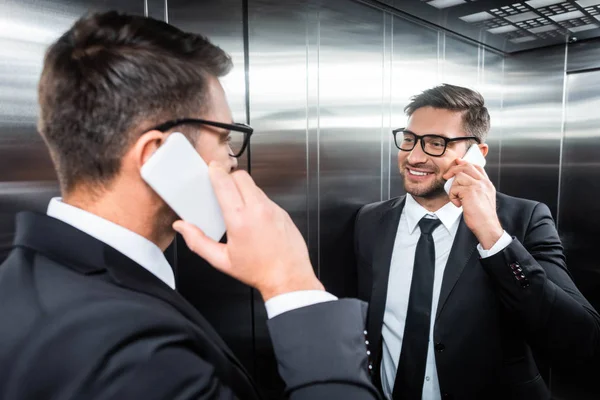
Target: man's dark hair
476,119
110,74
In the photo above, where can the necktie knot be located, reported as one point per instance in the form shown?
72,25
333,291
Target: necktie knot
428,225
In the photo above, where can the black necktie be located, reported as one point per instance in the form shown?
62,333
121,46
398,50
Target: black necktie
413,356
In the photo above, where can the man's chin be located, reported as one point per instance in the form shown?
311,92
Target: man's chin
432,192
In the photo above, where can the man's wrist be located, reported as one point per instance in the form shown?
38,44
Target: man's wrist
313,283
489,236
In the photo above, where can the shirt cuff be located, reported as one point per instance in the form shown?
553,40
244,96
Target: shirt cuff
500,245
293,300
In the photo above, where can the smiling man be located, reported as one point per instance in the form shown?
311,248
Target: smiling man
462,286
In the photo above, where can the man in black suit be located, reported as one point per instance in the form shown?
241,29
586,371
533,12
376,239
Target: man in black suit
87,298
462,286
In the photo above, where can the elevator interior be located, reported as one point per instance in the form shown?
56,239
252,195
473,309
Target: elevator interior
323,83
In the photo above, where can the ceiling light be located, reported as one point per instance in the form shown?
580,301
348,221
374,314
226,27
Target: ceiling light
477,17
523,39
445,3
542,3
522,17
566,16
583,28
588,3
542,29
503,29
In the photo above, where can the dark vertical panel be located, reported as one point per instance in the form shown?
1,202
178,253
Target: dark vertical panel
27,178
225,302
156,9
532,125
414,69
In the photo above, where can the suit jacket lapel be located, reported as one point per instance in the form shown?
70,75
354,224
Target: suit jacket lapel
463,250
382,257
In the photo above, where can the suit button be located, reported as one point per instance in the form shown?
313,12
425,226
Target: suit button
439,347
447,396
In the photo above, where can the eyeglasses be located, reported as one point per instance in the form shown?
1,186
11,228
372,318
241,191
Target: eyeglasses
433,145
239,134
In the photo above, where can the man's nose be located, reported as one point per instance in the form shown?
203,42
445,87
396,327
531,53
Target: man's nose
417,155
234,163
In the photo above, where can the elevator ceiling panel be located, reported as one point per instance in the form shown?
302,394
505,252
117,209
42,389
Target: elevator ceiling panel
510,25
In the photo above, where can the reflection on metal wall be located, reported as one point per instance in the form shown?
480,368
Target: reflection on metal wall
283,52
491,81
27,27
532,114
579,213
414,69
350,122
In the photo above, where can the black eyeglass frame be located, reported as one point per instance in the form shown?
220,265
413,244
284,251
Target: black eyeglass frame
247,130
421,137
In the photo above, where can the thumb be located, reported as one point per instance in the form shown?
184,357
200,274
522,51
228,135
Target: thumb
213,252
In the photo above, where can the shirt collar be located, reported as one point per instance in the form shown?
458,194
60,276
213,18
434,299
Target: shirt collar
132,245
448,214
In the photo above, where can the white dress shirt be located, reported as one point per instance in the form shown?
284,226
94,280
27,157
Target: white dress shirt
150,256
401,270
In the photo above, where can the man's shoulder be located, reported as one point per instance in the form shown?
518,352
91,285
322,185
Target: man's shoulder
377,209
44,292
514,204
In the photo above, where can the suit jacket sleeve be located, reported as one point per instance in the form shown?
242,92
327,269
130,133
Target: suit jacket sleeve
321,351
535,286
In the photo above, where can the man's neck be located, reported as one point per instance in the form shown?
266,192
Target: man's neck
128,214
432,204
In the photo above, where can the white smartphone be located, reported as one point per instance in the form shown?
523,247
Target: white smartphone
180,177
474,156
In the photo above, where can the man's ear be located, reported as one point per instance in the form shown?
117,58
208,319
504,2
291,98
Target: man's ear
484,149
145,146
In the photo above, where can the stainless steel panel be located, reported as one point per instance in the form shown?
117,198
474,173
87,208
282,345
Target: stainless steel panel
414,69
283,45
351,77
27,178
532,126
459,62
579,213
225,302
583,55
491,88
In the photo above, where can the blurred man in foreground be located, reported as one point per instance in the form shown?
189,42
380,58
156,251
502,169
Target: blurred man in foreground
89,301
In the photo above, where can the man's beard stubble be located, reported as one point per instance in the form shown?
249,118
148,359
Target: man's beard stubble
435,190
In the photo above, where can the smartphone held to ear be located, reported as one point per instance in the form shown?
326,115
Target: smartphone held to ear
180,177
474,156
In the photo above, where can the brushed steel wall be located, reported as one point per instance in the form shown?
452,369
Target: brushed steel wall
27,27
579,213
532,125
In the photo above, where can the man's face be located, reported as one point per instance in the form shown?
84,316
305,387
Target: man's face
422,173
213,143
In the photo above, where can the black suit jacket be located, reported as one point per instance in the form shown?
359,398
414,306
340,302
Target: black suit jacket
82,321
492,312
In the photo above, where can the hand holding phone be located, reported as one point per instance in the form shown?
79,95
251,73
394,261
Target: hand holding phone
180,177
473,156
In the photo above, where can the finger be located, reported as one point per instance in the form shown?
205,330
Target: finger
248,189
470,169
454,196
213,252
481,170
227,193
464,179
